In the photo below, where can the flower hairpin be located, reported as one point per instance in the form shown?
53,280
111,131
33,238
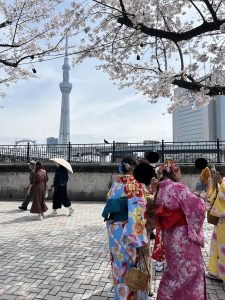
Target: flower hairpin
168,165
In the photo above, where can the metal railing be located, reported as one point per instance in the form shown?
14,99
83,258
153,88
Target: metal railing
183,152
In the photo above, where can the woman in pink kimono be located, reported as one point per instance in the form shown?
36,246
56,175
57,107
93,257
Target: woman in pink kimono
180,215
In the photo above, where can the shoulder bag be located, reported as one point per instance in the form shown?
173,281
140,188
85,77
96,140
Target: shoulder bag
210,218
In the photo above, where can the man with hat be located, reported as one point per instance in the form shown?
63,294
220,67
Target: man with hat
25,203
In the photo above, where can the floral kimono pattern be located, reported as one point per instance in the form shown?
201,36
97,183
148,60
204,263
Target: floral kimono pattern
125,237
217,247
183,278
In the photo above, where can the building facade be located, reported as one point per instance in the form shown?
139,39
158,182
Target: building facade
206,123
52,141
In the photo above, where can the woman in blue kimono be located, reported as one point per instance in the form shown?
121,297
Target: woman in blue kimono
125,214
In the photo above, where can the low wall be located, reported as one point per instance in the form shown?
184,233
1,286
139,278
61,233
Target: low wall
88,182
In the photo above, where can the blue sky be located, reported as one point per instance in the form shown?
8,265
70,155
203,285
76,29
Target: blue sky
98,109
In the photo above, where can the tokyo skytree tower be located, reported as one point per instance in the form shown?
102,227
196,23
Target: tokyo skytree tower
65,87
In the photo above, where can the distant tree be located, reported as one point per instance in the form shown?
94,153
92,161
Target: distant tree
150,45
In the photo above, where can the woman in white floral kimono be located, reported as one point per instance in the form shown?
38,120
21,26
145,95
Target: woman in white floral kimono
126,229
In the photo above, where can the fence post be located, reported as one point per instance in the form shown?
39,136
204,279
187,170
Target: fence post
69,150
28,152
113,152
218,149
162,147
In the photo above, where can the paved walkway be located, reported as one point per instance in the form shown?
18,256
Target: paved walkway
62,257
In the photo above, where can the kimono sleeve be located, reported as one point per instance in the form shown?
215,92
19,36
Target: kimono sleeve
194,209
135,228
218,208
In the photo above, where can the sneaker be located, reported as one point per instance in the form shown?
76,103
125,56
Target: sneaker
211,276
40,217
54,213
71,210
159,266
23,208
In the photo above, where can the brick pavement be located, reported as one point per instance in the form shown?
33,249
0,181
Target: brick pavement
63,257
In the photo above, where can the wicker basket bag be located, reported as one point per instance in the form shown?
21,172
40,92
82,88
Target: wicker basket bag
137,279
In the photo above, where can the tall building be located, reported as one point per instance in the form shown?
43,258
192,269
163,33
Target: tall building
65,87
52,141
202,124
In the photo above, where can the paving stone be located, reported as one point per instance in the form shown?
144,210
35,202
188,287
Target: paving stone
64,258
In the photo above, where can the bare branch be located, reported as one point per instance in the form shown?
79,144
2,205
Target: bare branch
156,54
211,10
165,56
198,10
17,22
219,5
181,56
114,8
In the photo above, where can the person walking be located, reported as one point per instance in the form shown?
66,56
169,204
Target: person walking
38,185
25,203
125,216
60,196
180,215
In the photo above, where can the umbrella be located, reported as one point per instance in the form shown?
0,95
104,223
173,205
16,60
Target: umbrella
64,163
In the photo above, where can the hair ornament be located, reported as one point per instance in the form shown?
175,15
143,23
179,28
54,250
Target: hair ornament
127,166
168,165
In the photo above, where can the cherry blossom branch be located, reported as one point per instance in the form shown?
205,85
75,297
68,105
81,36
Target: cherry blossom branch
196,87
5,24
173,36
15,64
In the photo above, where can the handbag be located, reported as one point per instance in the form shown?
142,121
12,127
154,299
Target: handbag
210,218
137,279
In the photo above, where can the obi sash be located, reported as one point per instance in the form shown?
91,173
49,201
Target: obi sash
116,209
167,218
